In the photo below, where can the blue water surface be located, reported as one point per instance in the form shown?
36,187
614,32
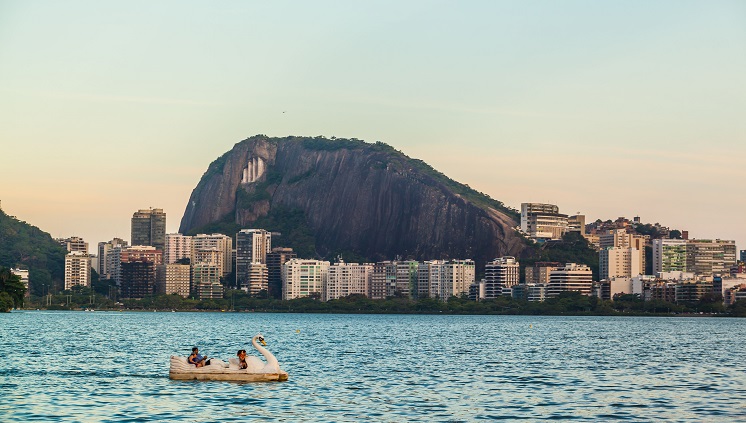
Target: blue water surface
113,367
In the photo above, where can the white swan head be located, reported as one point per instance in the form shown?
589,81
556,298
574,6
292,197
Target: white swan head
260,338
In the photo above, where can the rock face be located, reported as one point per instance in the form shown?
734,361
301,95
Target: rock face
364,198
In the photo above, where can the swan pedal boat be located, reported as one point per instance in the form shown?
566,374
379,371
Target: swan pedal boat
257,370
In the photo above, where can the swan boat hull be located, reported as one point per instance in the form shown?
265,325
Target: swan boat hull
181,370
231,376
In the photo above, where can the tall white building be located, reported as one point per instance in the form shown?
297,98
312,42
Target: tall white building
256,279
178,247
77,269
345,279
114,263
542,221
214,242
301,278
619,262
503,272
105,260
429,277
572,277
444,279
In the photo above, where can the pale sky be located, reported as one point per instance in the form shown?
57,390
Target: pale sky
604,108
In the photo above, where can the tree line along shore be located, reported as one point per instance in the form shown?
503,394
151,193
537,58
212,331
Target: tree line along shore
568,303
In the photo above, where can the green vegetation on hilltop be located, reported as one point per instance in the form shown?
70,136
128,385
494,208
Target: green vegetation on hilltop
292,224
295,231
226,226
323,144
573,248
26,246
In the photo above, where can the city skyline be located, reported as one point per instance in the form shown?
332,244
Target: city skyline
603,109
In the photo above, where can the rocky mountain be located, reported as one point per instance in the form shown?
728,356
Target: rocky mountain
342,196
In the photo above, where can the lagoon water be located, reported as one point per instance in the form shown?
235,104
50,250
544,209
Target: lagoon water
113,367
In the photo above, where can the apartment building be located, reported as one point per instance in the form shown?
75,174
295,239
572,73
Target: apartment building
178,247
345,279
669,255
149,228
302,278
619,262
252,246
542,221
206,281
503,272
275,259
173,278
77,269
204,245
571,277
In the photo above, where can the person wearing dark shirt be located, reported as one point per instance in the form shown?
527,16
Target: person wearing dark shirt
196,358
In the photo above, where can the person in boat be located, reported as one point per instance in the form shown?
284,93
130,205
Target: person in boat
197,359
242,359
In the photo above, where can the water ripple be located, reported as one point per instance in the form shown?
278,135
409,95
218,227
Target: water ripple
113,367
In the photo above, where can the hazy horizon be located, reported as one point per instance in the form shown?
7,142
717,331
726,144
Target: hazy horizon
607,109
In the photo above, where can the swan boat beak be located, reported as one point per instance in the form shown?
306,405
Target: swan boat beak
262,341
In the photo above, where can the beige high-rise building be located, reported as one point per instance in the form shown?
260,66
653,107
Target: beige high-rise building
301,278
178,247
576,223
571,277
459,275
345,279
210,256
174,278
542,221
619,262
620,238
74,243
77,269
215,242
